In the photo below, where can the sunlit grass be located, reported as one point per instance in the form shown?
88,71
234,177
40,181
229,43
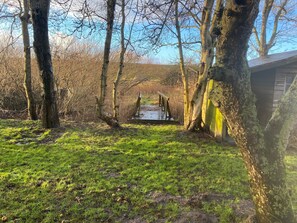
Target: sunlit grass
89,173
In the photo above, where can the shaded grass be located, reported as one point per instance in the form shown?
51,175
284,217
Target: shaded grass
291,161
89,173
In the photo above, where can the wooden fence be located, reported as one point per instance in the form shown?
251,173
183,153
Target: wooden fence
164,104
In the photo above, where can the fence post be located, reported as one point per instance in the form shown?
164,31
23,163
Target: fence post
168,110
164,104
137,112
160,104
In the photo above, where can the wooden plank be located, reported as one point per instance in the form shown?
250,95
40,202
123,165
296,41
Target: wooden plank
263,86
288,68
280,82
163,95
153,122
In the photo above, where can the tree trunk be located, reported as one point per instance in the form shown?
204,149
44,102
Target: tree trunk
263,156
109,29
40,11
182,67
121,65
101,100
31,106
115,104
207,30
263,48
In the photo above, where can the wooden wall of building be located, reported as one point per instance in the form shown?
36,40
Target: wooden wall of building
283,78
263,87
268,86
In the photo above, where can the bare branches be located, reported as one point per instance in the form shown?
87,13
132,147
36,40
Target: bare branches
275,20
10,14
156,15
160,28
277,17
191,8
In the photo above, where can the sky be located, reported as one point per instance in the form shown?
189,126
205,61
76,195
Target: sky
162,55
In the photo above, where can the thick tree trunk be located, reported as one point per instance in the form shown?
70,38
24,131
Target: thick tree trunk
31,106
263,158
207,34
40,11
195,115
182,67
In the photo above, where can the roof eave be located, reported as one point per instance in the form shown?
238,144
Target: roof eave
274,64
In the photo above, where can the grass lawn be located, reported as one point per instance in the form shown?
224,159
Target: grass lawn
89,173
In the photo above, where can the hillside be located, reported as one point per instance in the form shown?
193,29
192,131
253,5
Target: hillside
77,83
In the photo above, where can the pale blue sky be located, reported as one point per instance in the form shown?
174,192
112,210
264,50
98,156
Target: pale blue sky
166,54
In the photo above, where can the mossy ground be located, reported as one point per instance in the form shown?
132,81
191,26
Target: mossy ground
89,173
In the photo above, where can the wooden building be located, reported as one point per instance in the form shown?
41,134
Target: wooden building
271,77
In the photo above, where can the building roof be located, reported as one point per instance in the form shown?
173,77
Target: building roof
272,61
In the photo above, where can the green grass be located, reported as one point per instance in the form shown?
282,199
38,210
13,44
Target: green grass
150,100
89,173
291,161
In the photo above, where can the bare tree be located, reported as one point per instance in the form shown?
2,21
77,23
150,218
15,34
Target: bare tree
101,100
182,65
262,149
275,19
191,15
10,12
170,17
209,30
124,45
40,13
25,18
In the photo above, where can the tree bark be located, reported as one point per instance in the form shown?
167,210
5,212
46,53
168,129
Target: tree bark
31,106
263,156
182,67
111,121
40,12
109,29
208,35
121,65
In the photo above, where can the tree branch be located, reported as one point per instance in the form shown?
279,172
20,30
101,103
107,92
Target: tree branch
275,24
283,118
